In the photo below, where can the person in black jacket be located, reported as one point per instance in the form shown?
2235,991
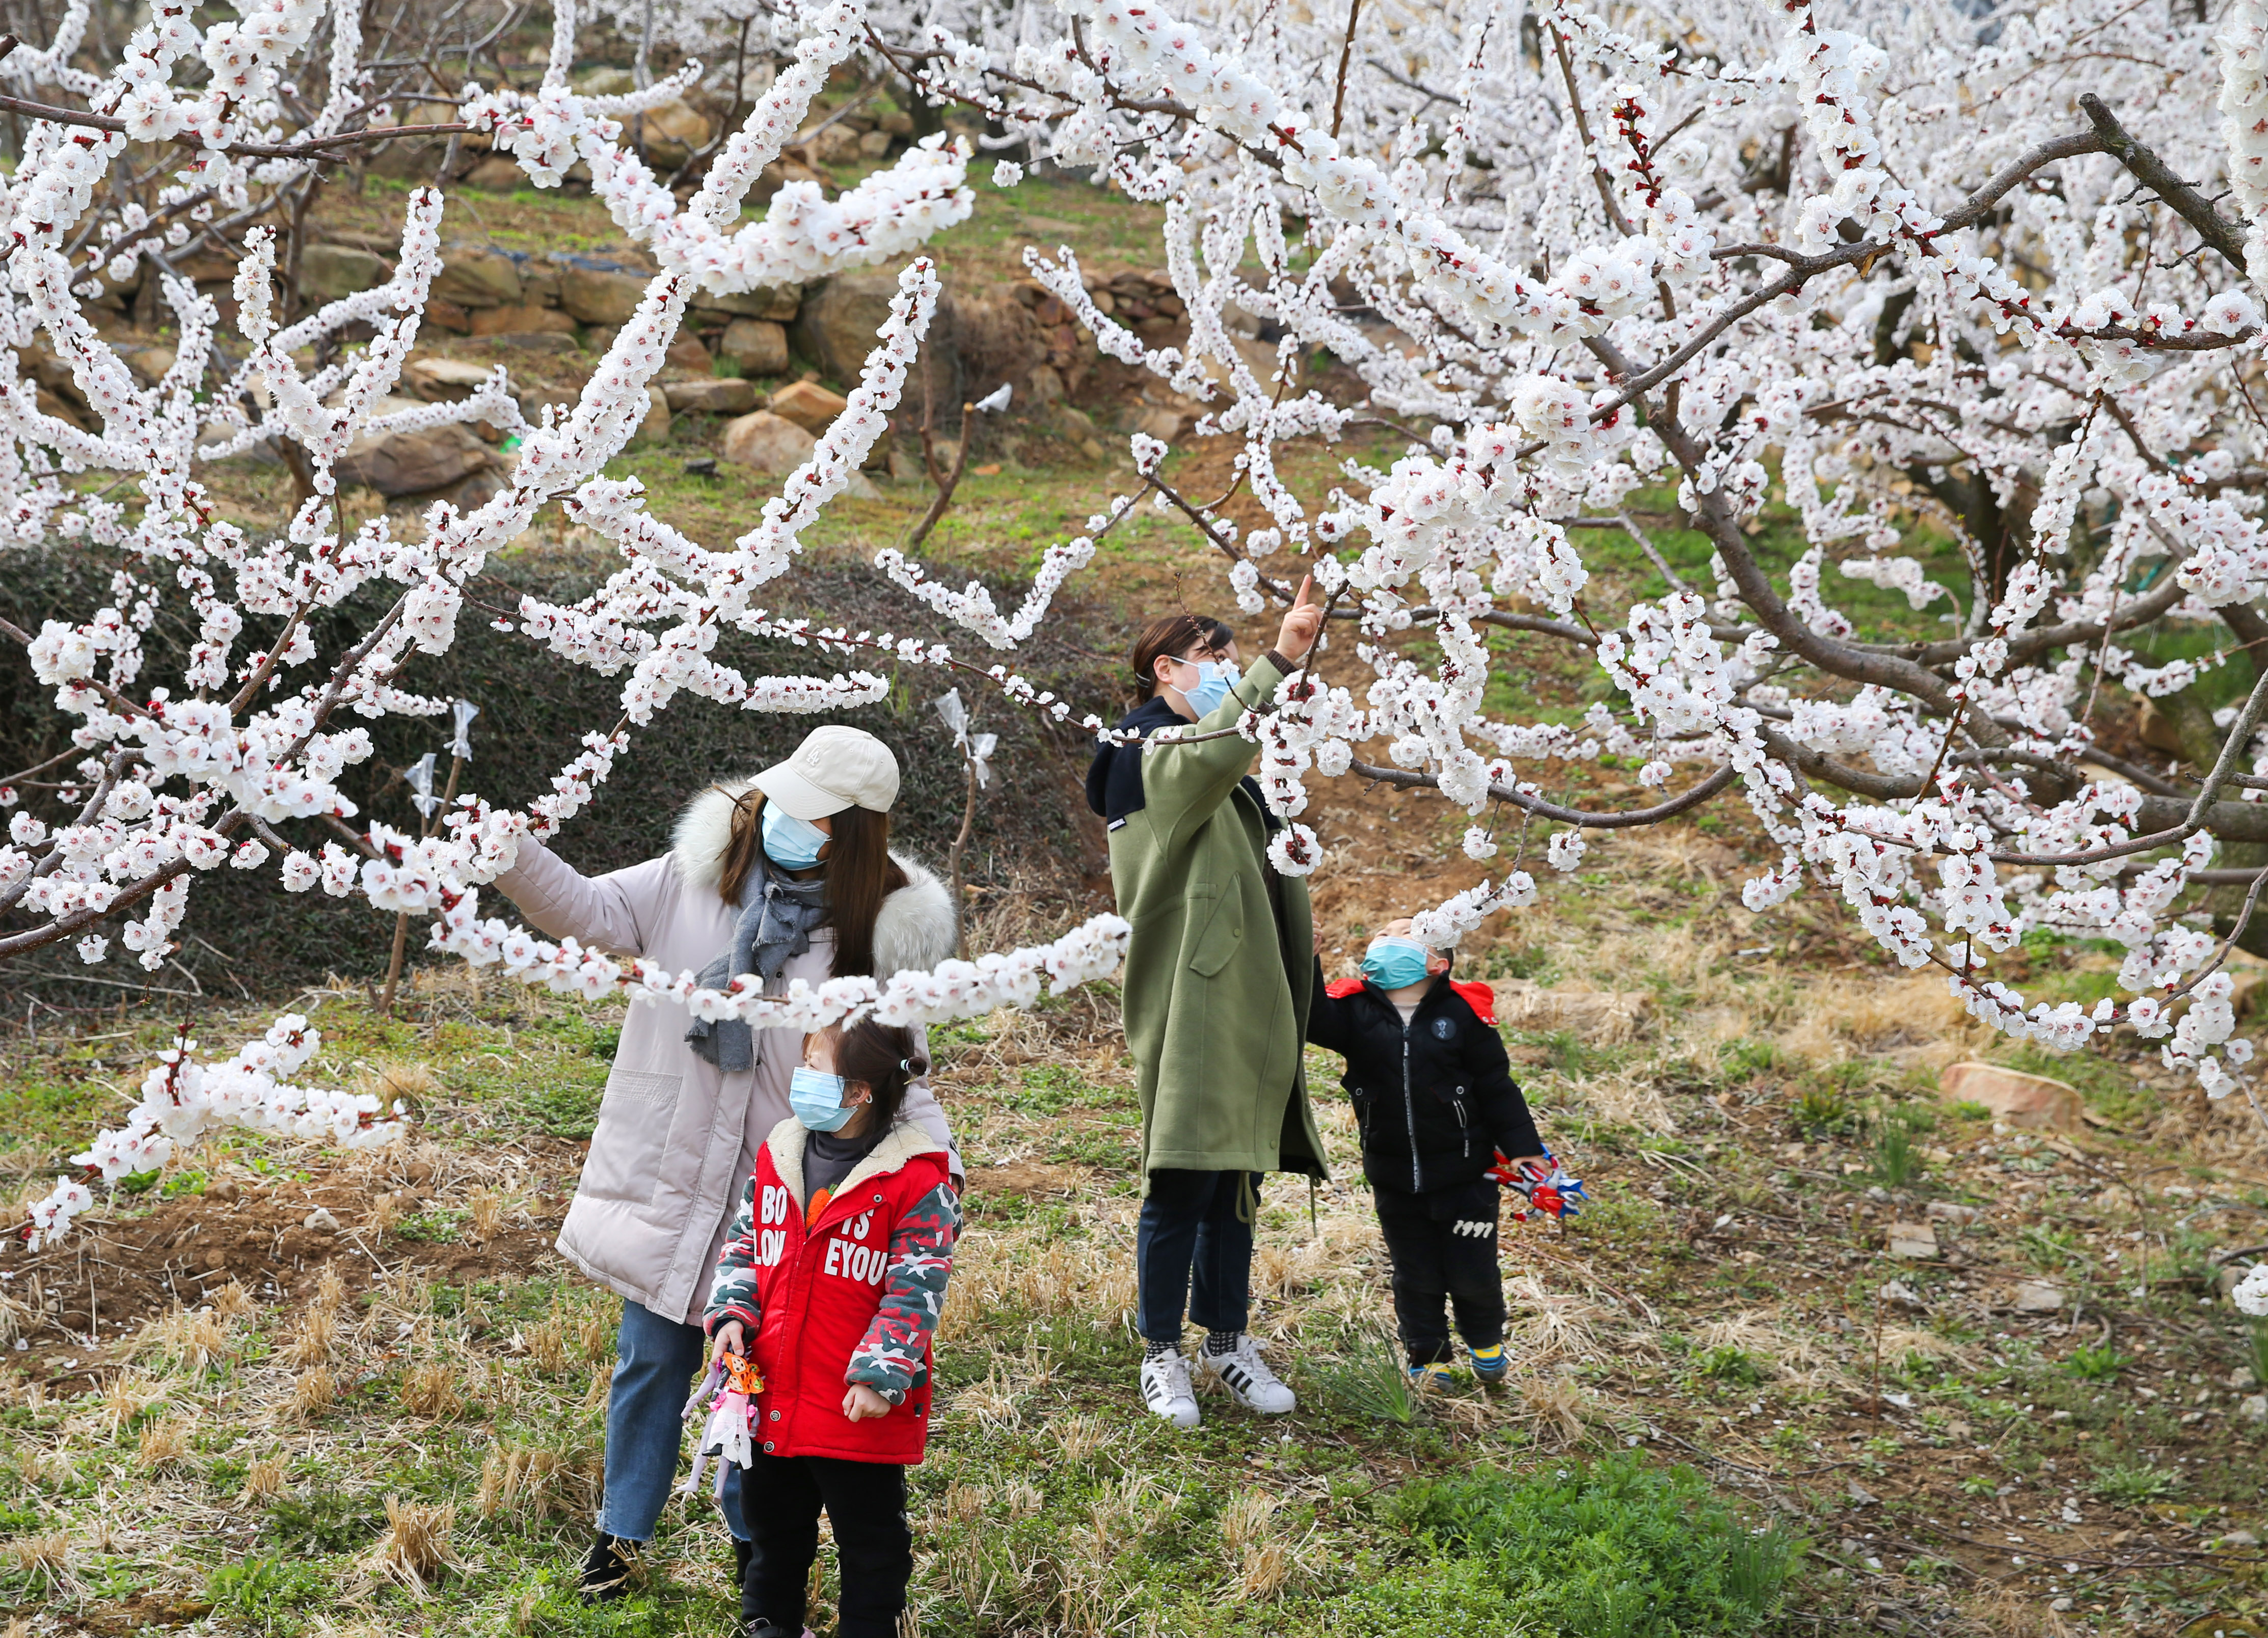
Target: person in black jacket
1442,1125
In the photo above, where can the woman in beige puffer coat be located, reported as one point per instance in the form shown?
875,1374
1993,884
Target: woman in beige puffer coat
687,1105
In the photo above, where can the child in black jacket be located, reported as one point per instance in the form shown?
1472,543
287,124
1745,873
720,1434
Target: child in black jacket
1442,1125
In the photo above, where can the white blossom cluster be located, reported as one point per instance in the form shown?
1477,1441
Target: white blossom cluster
184,1100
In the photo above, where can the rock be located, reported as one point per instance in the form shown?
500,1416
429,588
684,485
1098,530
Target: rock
718,396
443,380
412,463
861,488
2033,1102
1912,1239
757,345
809,404
518,321
874,144
673,130
2241,1378
2156,730
327,272
2254,1410
1946,1211
1045,384
608,83
2239,1538
687,353
320,1221
898,122
150,364
1860,1496
904,468
1160,423
538,281
780,306
655,428
1522,1004
596,296
496,174
2037,1297
473,277
831,146
1903,1295
767,443
448,316
836,325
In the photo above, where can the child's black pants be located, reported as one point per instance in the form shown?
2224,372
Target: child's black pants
865,1502
1442,1245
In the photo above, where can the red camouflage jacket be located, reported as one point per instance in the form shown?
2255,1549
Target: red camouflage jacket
852,1296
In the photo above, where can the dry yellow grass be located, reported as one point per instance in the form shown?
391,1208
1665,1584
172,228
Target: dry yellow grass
314,1392
547,1345
415,1549
263,1477
486,1214
388,1081
165,1443
432,1391
43,1558
188,1340
316,1329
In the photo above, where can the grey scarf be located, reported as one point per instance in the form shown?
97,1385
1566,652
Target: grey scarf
776,915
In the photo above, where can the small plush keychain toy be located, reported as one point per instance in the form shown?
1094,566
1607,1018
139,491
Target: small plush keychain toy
725,1435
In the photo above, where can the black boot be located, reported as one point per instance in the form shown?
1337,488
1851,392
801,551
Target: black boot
741,1552
607,1571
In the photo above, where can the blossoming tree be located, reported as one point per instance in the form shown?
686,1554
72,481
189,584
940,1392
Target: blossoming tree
2003,269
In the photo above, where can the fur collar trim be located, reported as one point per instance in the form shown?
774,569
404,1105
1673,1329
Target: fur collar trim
916,929
903,1141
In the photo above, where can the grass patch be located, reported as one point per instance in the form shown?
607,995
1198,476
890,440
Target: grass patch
1609,1549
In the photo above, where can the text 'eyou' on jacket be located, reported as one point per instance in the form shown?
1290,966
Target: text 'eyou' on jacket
1434,1096
851,1296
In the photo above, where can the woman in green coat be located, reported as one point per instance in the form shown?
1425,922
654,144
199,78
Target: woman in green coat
1218,976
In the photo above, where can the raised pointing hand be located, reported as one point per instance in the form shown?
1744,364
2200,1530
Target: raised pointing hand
1302,622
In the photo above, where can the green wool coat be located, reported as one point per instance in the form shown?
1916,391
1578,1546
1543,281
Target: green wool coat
1219,971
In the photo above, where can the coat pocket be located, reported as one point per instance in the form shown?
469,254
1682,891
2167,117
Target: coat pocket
1217,931
632,1138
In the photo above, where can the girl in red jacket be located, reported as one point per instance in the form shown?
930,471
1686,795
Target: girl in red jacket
832,1281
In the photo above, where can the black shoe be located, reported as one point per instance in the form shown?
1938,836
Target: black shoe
607,1571
765,1629
742,1551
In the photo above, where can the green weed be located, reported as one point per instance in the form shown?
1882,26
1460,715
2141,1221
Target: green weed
1896,1161
1367,1378
1820,1112
267,1592
2133,1484
2091,1363
1612,1549
1730,1364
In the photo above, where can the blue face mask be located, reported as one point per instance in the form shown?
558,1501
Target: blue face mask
816,1096
1212,685
791,843
1394,963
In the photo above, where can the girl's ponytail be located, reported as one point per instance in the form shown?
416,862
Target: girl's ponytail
887,1058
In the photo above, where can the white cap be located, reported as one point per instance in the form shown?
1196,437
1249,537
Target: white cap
834,768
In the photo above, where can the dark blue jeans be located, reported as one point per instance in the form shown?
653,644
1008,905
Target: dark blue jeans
656,1361
1193,1247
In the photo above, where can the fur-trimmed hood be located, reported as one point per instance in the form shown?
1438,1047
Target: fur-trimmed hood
916,929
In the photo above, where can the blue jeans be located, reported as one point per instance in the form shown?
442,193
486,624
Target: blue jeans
1193,1244
656,1361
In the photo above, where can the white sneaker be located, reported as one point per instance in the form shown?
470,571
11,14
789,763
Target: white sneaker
1166,1390
1243,1372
